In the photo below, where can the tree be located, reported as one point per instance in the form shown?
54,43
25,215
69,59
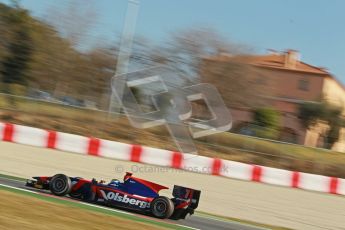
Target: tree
184,50
4,33
311,112
266,121
73,19
16,62
69,23
34,54
266,117
235,81
97,70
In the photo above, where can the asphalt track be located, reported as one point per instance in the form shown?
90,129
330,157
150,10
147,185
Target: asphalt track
195,222
273,205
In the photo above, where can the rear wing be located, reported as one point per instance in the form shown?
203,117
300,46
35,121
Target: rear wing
187,194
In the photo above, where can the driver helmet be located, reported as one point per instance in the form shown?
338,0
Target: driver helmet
114,182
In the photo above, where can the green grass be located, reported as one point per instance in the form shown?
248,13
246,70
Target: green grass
23,104
289,151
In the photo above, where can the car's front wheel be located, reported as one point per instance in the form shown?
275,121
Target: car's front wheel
76,195
162,207
60,185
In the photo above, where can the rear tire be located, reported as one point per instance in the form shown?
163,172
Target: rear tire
162,207
60,185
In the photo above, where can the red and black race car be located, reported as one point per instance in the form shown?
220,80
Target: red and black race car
133,193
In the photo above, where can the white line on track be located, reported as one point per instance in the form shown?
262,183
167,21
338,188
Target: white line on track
21,189
205,216
209,217
186,226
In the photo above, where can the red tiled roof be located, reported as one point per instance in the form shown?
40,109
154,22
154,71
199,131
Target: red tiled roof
274,61
271,61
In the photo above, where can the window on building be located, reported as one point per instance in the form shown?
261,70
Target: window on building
303,85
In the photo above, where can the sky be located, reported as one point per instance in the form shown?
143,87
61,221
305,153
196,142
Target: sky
313,27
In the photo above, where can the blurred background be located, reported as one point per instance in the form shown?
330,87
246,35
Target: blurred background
57,59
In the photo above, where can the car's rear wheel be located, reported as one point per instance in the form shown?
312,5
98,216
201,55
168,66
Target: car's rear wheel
60,185
162,207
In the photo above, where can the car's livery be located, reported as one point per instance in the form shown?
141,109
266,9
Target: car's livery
133,193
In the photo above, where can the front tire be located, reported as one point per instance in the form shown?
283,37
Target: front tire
60,185
162,207
76,195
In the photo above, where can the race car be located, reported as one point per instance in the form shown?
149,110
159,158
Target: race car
133,193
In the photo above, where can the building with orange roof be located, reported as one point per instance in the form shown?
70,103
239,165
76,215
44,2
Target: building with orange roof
288,82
